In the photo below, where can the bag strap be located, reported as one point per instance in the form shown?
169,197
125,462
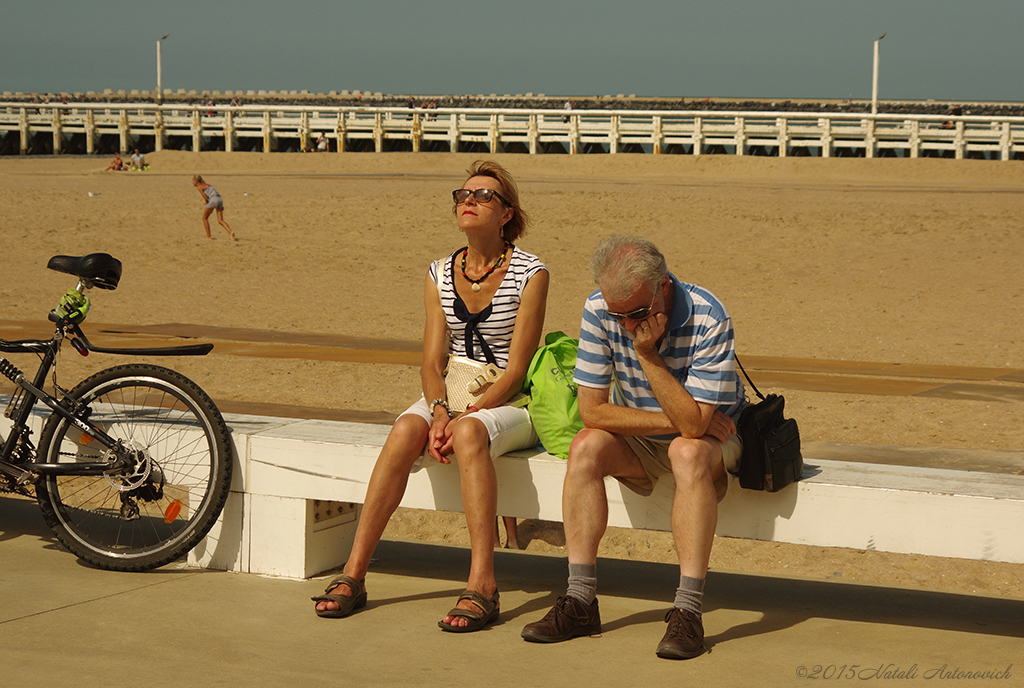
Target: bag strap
752,385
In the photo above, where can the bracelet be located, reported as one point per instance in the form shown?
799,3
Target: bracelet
440,402
472,408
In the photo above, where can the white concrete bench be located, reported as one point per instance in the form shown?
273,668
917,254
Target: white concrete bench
271,524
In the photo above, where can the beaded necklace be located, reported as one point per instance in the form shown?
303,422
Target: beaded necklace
476,282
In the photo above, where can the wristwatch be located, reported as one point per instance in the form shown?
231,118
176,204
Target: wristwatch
440,402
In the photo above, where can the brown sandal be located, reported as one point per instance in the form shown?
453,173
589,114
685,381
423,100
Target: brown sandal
346,603
477,620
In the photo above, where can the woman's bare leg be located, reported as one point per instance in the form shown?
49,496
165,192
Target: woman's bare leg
479,501
512,531
220,219
206,221
384,492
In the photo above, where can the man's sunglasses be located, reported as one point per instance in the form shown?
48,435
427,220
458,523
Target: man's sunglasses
638,314
479,195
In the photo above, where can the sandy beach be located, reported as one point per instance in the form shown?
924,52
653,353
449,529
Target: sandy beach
909,262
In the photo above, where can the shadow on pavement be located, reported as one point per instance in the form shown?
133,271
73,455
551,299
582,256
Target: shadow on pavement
782,602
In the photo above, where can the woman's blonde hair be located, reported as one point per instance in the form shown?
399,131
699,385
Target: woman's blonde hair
516,227
197,178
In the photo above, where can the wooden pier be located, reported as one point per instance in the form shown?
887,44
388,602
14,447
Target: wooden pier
33,129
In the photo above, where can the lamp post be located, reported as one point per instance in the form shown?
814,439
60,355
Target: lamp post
874,79
160,69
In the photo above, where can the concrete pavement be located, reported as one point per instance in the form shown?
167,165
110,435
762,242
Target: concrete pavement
62,622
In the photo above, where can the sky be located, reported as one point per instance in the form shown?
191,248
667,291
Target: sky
946,50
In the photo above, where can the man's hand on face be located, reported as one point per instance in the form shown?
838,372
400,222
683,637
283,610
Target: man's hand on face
648,332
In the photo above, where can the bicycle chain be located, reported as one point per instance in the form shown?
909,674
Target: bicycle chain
138,481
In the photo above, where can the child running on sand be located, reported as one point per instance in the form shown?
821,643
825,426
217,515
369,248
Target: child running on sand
213,202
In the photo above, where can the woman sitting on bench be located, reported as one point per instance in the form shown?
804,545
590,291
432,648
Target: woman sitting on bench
491,296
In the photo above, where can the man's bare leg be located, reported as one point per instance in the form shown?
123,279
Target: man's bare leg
696,465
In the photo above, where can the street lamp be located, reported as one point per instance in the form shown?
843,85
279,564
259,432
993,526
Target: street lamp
160,70
874,79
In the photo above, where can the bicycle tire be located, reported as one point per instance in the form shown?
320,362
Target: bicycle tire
160,415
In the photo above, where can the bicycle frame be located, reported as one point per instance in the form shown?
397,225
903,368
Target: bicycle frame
15,444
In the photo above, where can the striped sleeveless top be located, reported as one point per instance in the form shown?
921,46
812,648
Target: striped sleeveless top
485,336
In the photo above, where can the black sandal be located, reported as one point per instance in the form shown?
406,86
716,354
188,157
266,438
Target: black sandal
477,620
346,603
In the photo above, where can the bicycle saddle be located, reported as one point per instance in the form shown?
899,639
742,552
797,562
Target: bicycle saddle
101,269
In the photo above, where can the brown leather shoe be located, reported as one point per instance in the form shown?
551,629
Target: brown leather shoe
684,638
569,618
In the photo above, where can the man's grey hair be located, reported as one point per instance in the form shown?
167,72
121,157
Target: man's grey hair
622,264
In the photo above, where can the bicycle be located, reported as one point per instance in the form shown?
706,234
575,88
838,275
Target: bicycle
134,463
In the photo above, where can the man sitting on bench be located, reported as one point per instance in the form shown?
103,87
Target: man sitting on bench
658,393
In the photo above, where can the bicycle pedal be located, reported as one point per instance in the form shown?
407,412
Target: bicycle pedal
25,490
26,481
17,479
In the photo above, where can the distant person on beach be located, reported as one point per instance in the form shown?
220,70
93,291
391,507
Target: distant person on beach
485,301
955,111
658,393
116,164
213,202
568,109
321,143
138,160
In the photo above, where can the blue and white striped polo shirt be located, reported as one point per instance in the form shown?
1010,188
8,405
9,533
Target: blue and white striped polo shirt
697,349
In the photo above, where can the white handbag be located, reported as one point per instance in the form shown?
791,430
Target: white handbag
465,381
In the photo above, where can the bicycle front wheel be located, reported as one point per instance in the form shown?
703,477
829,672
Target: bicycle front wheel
158,507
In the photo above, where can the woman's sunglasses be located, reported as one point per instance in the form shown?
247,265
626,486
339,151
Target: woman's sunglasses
479,195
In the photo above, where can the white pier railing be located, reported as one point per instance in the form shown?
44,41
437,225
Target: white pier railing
92,128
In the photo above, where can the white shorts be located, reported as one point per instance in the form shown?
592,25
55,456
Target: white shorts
508,428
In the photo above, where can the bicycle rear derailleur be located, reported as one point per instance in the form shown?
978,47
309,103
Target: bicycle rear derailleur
142,478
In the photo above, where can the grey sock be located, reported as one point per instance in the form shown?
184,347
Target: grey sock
690,594
583,582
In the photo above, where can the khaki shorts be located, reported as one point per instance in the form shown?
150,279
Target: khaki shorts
654,459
